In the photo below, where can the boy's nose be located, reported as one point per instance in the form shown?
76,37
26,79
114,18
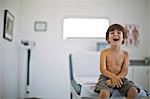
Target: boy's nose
115,33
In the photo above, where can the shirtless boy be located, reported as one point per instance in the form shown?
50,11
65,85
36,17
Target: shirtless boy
114,66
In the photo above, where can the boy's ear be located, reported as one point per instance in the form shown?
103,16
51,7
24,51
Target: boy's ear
123,41
108,41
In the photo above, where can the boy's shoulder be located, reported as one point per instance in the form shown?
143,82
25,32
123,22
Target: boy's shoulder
125,53
105,51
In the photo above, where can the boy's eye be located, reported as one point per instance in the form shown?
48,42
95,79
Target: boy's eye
119,32
111,32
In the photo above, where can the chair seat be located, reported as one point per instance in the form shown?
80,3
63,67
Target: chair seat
87,85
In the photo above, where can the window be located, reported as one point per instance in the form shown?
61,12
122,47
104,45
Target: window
84,28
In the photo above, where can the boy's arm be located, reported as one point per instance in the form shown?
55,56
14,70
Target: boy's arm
124,70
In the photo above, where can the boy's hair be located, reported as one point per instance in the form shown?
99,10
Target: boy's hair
117,27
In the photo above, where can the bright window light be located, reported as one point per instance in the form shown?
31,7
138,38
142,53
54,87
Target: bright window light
84,28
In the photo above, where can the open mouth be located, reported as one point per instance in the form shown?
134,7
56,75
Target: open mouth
116,39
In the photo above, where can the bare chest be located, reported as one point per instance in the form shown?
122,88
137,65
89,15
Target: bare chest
115,60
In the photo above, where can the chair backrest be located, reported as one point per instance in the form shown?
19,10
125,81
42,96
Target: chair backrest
85,63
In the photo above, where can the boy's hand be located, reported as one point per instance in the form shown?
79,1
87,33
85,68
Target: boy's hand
109,83
116,81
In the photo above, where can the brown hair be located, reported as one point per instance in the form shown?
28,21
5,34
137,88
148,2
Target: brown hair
117,27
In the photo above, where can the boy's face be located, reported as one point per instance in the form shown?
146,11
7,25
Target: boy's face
115,37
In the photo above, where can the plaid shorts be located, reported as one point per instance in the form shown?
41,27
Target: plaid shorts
101,84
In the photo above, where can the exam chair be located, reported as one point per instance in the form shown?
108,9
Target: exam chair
84,74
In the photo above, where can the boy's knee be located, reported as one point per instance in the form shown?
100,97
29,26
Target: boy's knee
132,92
104,94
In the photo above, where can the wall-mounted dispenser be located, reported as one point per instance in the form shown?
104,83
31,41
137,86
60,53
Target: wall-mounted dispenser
28,45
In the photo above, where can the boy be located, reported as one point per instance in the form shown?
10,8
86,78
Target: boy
114,66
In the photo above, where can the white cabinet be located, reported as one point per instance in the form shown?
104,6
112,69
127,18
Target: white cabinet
141,76
130,73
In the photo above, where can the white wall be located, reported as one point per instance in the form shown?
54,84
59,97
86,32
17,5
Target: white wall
148,25
49,64
1,33
9,54
148,32
1,17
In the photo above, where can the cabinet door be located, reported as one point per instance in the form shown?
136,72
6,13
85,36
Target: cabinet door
130,73
141,76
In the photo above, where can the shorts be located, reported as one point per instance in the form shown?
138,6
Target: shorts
123,89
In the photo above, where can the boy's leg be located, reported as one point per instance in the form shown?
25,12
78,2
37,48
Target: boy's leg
132,93
102,88
128,89
104,94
